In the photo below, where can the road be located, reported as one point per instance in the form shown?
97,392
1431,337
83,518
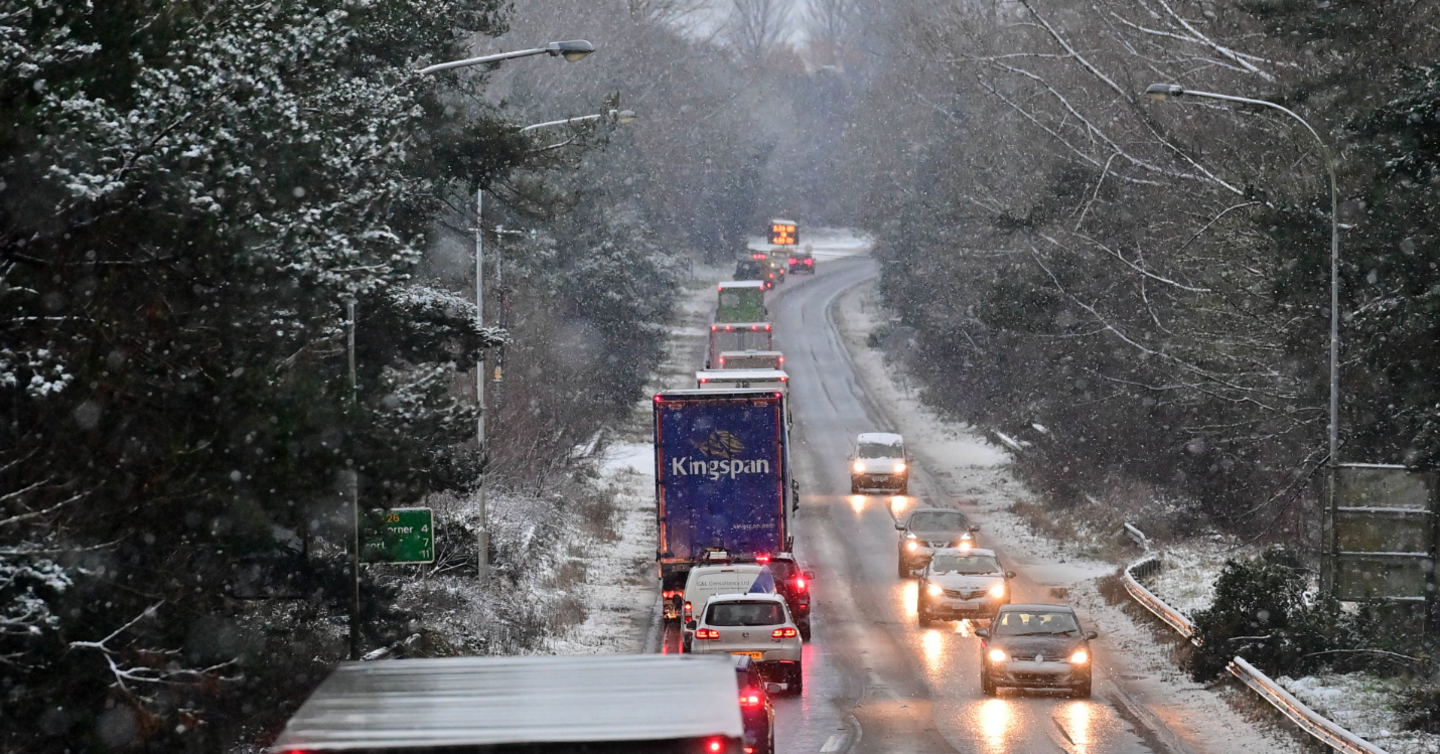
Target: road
875,681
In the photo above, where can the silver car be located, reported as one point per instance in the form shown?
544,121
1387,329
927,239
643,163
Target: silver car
962,582
756,625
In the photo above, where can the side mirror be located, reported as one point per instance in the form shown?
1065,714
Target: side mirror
690,625
899,526
974,528
1009,574
774,688
810,575
1092,635
983,633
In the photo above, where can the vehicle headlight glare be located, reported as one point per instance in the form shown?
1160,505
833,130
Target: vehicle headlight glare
1080,657
859,467
934,590
964,546
911,545
899,467
998,655
997,591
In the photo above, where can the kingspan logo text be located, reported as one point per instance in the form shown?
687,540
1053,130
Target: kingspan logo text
718,469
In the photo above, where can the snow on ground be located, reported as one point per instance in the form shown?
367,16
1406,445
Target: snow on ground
1361,703
970,468
1187,582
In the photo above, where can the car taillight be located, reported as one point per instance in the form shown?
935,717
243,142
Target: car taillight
706,633
784,633
672,593
809,261
750,698
762,558
715,746
799,585
792,260
687,608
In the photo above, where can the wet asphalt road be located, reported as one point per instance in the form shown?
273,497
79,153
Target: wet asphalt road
875,681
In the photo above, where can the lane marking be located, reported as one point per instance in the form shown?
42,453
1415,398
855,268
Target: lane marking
833,744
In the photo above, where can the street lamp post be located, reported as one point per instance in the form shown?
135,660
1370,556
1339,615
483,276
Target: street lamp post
571,50
618,116
1162,92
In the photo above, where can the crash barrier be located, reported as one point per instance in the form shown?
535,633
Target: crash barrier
1309,720
1149,566
1138,536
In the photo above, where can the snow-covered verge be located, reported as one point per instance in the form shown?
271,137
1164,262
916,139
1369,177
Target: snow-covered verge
1364,705
968,467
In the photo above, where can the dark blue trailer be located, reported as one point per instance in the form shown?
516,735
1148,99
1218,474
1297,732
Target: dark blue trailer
722,478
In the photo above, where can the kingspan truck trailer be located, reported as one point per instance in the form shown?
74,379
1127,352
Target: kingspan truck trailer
722,480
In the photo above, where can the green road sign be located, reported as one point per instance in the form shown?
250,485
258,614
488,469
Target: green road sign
399,535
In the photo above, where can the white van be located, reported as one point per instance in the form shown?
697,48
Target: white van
705,582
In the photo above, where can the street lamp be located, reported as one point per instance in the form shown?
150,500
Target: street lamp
1162,92
618,116
572,50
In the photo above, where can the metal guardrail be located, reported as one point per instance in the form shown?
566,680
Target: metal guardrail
1310,721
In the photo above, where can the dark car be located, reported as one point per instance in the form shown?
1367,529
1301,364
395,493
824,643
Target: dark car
1035,647
802,263
755,708
793,583
755,269
926,530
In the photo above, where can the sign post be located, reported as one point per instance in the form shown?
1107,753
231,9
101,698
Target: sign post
402,535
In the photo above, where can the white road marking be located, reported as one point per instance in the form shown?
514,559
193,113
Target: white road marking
833,744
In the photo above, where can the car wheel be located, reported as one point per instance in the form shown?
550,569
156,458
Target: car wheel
1083,690
987,685
797,681
805,631
902,570
923,618
854,488
904,489
685,646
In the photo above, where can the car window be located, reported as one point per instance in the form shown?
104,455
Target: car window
879,450
937,520
784,569
745,614
1037,623
947,563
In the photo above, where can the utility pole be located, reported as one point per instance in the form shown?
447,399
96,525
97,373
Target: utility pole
352,485
484,561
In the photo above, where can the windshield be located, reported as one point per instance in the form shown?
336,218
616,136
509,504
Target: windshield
745,614
879,450
784,569
937,520
946,563
1023,623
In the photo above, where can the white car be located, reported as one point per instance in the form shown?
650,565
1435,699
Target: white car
704,582
879,464
757,625
962,582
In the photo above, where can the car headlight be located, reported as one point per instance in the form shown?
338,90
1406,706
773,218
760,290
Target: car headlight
997,591
899,467
859,467
912,545
964,546
1080,657
934,590
998,655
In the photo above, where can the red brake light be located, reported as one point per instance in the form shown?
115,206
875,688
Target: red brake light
792,260
799,584
809,261
762,558
708,633
687,607
715,746
750,698
784,633
767,327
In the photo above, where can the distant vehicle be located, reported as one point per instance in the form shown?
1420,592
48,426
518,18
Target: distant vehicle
1035,646
706,581
779,261
737,336
755,707
751,359
879,464
741,301
960,583
727,379
793,583
648,704
758,626
926,530
802,262
755,269
722,482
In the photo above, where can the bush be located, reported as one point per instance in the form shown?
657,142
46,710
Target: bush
1265,612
